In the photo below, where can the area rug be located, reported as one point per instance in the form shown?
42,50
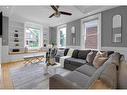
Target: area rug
32,76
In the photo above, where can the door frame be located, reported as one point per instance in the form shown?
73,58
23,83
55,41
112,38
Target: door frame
86,19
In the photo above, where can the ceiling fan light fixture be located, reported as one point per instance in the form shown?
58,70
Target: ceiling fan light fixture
57,14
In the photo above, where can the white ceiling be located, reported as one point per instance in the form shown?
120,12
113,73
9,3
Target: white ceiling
40,14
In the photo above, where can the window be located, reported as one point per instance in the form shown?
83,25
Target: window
91,37
61,36
32,38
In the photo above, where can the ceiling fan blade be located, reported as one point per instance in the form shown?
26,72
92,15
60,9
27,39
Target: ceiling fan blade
57,6
65,13
51,15
54,8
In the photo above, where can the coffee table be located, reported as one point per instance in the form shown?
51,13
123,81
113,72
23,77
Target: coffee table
33,59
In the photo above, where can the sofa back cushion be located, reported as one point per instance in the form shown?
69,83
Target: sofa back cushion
109,53
109,75
122,74
75,53
66,51
83,54
114,59
95,76
104,73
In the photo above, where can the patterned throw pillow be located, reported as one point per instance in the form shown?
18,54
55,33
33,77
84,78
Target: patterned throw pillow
99,59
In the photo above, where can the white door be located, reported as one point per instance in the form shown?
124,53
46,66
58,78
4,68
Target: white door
91,37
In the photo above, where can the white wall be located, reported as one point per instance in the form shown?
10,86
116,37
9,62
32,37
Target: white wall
122,50
5,56
10,58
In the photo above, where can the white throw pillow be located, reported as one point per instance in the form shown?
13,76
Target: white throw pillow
70,52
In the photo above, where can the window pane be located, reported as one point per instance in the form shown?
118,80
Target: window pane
63,37
32,37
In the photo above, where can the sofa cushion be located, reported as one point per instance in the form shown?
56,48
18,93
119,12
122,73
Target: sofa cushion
75,53
70,67
86,69
83,54
109,75
103,73
95,76
66,51
75,61
78,78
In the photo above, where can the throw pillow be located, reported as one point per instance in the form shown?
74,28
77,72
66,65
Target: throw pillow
70,52
99,59
102,53
66,51
75,54
90,57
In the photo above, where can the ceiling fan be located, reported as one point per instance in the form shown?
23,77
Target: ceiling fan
57,12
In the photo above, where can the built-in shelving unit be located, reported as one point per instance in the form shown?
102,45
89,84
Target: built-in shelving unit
45,37
16,36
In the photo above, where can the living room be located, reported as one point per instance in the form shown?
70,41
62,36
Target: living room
73,33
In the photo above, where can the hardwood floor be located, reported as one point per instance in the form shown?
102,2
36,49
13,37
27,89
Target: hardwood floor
6,82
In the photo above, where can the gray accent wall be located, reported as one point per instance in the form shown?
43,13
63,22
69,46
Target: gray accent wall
106,32
107,27
5,31
77,25
52,35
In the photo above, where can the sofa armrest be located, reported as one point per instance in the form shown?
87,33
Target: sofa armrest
60,53
59,82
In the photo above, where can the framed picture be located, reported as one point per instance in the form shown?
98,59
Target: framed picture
16,30
73,30
16,35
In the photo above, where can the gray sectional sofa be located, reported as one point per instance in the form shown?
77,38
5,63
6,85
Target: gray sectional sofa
84,76
79,58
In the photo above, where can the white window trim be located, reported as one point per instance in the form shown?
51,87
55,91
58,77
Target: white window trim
82,41
58,35
34,25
